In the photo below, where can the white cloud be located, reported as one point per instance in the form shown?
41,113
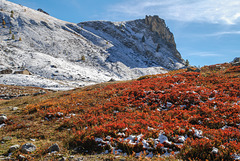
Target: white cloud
204,54
211,11
223,33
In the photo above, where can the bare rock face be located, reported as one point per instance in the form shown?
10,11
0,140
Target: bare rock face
158,25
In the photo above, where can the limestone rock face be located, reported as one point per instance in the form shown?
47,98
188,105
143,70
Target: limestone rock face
158,25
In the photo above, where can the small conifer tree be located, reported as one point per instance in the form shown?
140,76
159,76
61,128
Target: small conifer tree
13,37
12,13
83,58
143,39
158,47
10,31
20,39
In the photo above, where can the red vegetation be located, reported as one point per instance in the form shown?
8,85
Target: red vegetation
204,109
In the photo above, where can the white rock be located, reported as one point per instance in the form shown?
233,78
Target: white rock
181,139
15,108
162,138
28,148
215,150
13,148
3,118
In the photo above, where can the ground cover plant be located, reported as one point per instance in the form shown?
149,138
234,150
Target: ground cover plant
190,115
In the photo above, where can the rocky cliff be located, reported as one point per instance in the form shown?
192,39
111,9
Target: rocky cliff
62,54
158,25
146,39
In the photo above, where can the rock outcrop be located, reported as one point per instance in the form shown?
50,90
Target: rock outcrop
158,25
236,61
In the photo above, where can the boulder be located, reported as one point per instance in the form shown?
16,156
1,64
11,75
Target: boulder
3,118
13,108
236,61
13,148
7,138
21,157
28,148
53,148
189,69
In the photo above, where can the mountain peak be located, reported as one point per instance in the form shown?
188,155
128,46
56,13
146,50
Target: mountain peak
71,54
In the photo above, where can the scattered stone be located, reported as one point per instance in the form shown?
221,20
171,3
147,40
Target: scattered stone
80,159
189,69
1,125
28,148
33,140
13,108
21,157
7,158
71,158
53,148
62,159
215,150
7,138
13,148
3,118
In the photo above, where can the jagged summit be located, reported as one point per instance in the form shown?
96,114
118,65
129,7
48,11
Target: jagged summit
63,54
158,48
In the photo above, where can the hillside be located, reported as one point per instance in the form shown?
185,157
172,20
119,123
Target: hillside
187,115
63,55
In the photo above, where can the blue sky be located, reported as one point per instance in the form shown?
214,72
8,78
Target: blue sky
206,31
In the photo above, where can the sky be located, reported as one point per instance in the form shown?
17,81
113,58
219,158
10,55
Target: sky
206,31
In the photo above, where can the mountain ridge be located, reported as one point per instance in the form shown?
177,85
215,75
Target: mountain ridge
72,55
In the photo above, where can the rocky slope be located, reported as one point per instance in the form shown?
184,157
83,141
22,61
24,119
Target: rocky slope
60,54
